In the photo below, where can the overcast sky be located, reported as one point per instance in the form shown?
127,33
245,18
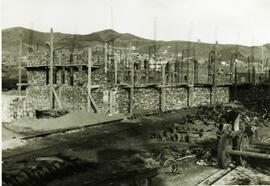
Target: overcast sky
228,21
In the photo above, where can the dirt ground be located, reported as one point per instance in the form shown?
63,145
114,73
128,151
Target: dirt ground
120,152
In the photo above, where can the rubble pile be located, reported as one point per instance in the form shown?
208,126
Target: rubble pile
190,130
220,114
207,121
41,170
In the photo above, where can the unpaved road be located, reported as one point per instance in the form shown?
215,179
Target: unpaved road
117,148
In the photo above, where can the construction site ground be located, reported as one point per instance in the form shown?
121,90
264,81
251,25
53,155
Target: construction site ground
121,151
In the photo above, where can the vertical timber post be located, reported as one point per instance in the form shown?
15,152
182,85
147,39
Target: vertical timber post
131,93
268,79
51,71
181,67
254,83
89,83
173,71
196,72
115,71
20,68
162,91
131,88
188,66
61,74
249,79
231,70
235,80
105,61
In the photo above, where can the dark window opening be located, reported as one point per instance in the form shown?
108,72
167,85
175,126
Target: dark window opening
47,77
63,77
71,79
54,77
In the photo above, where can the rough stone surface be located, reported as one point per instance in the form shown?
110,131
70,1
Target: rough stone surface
176,98
146,100
122,100
220,95
14,107
201,96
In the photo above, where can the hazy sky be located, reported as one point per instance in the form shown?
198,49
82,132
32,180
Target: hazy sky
228,21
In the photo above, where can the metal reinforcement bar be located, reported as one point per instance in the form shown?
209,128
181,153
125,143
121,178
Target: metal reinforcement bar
248,154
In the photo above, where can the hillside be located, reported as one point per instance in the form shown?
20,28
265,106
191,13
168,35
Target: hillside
10,42
34,39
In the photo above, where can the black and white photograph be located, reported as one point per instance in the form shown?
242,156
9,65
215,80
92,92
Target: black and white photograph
135,92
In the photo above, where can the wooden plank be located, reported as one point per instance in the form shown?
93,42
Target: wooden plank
89,80
57,98
213,178
51,71
93,103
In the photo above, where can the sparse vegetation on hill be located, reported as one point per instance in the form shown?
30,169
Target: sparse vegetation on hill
34,39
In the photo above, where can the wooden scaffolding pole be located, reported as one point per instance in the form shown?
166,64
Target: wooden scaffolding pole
162,91
235,81
106,61
131,95
131,91
188,65
20,68
115,71
268,79
89,80
51,71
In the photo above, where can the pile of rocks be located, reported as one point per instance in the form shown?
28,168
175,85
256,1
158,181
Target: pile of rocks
207,121
189,130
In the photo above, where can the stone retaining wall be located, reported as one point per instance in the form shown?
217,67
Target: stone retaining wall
146,100
16,107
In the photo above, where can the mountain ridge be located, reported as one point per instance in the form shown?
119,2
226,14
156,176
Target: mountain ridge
10,42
